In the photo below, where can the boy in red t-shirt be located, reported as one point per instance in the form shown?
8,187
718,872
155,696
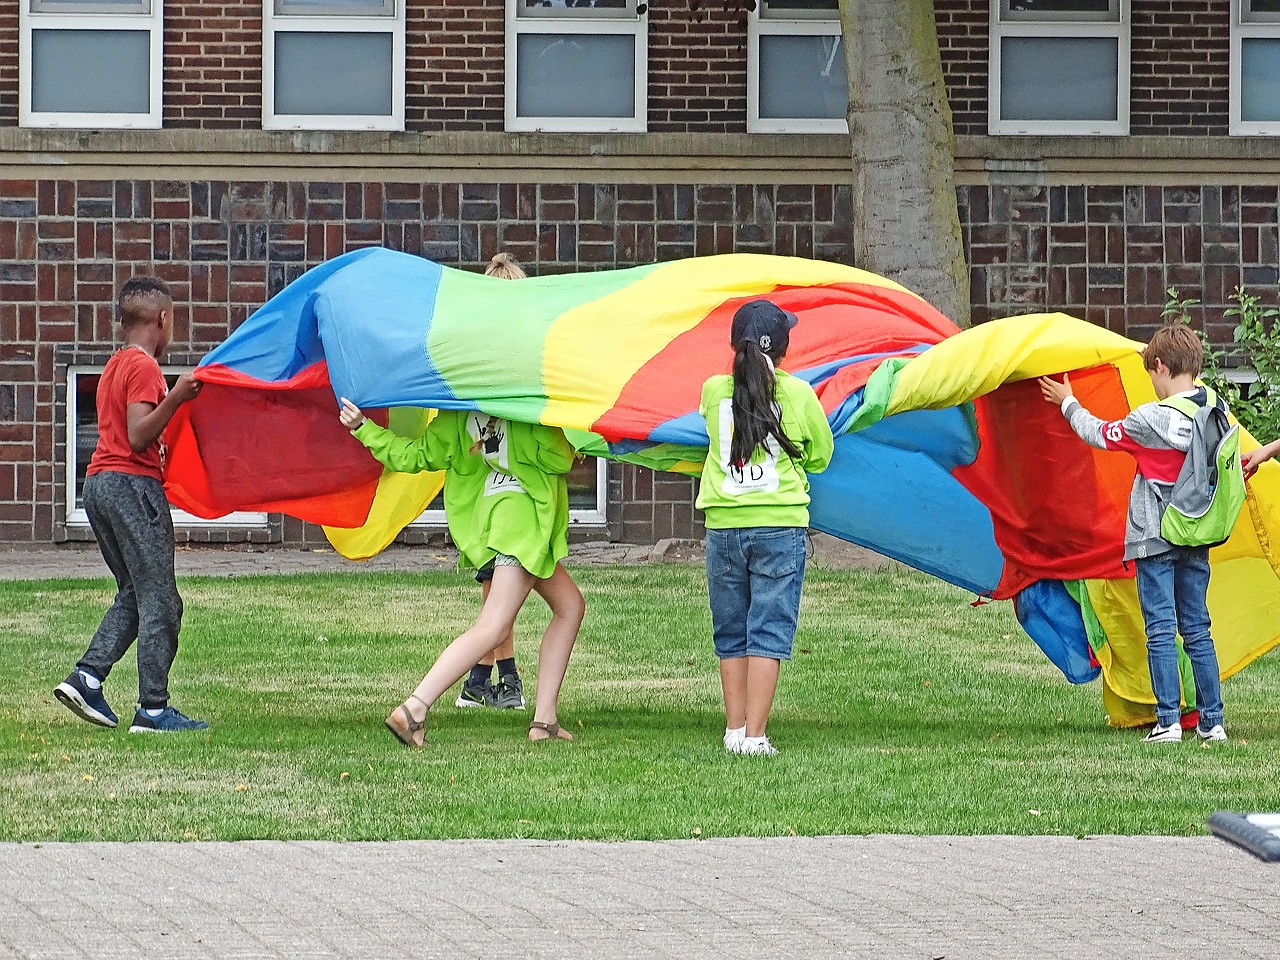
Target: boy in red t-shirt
129,513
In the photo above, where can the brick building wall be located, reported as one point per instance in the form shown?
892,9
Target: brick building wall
454,65
1178,64
1105,252
1100,234
213,64
964,45
1109,253
1178,54
225,247
8,64
455,71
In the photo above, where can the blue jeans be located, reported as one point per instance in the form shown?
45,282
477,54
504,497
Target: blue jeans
754,576
1172,589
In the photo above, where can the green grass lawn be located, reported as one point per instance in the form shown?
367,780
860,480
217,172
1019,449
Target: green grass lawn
904,711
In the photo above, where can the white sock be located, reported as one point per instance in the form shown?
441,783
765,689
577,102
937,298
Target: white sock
152,711
90,681
754,741
736,731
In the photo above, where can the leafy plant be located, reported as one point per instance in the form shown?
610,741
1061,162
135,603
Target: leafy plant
1257,336
1257,346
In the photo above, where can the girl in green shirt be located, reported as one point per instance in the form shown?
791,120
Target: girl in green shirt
507,504
767,430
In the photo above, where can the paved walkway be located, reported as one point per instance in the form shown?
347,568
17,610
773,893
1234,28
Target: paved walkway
919,898
922,898
43,561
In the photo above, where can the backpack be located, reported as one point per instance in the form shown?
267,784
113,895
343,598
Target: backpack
1202,507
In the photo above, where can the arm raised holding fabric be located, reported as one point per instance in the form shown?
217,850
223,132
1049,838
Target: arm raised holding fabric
434,450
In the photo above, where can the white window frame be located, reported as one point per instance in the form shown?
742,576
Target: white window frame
1244,26
274,23
587,518
636,26
791,23
83,17
76,517
1058,25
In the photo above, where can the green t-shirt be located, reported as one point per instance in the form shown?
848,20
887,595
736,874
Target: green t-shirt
773,490
508,496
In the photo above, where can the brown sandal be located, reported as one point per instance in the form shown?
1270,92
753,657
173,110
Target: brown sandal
407,730
552,731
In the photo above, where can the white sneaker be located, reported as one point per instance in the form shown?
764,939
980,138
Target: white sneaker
1217,733
733,739
757,747
1169,734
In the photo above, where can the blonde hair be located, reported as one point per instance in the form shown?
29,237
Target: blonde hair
505,267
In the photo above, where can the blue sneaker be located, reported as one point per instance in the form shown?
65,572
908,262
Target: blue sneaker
171,720
85,702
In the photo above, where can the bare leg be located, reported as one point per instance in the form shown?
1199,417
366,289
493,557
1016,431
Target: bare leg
762,681
511,585
507,648
733,680
567,610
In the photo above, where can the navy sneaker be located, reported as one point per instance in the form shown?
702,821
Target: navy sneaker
85,702
171,720
475,694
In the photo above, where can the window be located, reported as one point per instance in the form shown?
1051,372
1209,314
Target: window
577,65
1255,67
1059,67
115,49
333,65
797,80
82,439
588,495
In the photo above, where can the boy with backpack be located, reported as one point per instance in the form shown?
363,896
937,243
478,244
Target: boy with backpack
1182,442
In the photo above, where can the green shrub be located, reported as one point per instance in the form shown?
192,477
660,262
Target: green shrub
1256,340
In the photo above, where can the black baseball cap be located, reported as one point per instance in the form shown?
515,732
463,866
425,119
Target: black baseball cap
765,323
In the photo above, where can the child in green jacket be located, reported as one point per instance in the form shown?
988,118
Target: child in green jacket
507,504
767,431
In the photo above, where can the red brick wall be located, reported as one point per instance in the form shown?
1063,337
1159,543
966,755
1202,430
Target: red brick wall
213,64
454,65
1109,253
225,247
8,64
698,67
455,72
965,45
1180,67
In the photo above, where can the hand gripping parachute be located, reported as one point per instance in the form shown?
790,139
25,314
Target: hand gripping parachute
946,456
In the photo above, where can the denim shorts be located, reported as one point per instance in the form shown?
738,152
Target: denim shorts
754,575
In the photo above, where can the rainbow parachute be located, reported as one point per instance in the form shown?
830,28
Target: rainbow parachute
946,456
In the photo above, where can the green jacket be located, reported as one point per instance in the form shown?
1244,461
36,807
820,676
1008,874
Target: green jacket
774,489
509,496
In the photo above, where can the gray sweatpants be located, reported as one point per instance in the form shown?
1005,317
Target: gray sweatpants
130,517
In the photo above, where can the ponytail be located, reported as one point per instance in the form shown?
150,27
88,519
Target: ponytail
756,415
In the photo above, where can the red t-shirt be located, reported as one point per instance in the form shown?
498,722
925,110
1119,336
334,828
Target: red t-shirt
131,376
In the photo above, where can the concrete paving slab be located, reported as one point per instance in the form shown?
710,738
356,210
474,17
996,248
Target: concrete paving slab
42,561
925,898
82,560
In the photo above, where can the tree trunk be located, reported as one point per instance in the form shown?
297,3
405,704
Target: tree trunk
905,222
